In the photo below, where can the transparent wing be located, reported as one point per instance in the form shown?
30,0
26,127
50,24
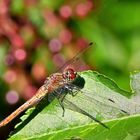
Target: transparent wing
75,62
96,104
93,106
114,100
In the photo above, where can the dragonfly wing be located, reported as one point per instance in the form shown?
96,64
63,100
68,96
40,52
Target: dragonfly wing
92,104
74,107
75,62
115,100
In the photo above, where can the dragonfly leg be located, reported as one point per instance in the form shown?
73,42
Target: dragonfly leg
73,89
60,100
74,93
61,103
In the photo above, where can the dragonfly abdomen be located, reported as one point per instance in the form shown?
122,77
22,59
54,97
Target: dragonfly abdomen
31,102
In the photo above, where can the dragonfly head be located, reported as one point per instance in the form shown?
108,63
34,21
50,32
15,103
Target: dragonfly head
69,74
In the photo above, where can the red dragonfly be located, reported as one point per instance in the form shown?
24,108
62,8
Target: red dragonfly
57,85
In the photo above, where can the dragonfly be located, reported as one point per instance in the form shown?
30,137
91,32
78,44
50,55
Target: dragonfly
60,85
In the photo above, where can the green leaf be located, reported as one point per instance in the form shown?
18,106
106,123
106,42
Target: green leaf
101,97
135,82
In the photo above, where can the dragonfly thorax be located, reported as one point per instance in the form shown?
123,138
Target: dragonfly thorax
69,74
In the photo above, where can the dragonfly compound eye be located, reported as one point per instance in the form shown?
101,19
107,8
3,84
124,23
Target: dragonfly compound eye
69,74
